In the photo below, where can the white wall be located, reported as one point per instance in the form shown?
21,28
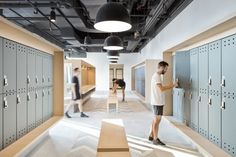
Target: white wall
199,16
100,61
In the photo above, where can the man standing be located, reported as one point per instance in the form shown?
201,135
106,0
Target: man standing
75,94
121,83
158,100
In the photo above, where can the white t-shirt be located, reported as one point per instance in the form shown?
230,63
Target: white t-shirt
157,97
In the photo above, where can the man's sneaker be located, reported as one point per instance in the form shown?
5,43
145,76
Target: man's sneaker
158,142
84,115
67,115
150,138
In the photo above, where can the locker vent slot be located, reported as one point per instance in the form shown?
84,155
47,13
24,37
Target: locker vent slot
229,148
10,44
203,132
21,133
230,41
31,127
213,46
9,140
39,122
215,139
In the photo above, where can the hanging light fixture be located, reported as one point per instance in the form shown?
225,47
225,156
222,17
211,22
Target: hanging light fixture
113,62
113,43
112,17
113,54
53,15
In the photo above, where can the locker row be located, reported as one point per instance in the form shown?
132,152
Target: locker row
212,92
22,112
23,68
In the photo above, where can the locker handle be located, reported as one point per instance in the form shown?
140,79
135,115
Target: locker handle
43,93
209,81
190,80
209,101
191,95
5,105
28,79
223,105
199,99
18,99
36,95
28,97
36,79
48,79
223,82
43,79
5,82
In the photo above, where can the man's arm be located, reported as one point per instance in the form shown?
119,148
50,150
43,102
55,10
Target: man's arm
166,87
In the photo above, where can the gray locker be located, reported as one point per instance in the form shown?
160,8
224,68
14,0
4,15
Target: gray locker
38,69
203,113
31,68
9,119
215,67
9,66
215,118
178,104
39,107
50,79
45,70
1,127
228,62
50,102
45,104
228,124
21,114
194,88
21,68
1,66
31,109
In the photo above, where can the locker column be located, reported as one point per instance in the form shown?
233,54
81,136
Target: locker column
45,75
1,90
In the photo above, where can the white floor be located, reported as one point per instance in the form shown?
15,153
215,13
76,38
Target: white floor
78,137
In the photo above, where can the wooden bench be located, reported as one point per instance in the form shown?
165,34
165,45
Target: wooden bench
112,140
112,99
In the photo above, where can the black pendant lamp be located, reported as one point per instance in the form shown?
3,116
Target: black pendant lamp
112,17
53,16
113,54
113,62
113,43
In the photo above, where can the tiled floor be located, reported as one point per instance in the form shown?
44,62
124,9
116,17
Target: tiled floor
78,137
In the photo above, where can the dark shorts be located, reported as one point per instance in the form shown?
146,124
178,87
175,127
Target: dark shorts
157,110
77,97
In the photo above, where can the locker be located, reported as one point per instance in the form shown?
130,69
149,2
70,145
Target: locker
203,113
1,66
45,70
45,104
21,109
31,68
175,103
39,107
9,66
228,124
9,119
214,79
178,103
194,88
228,62
1,127
38,69
50,102
31,109
50,79
215,118
203,68
21,68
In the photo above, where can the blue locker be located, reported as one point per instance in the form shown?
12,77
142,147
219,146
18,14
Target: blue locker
39,107
214,80
228,124
9,119
31,68
194,88
1,126
21,114
9,66
228,62
215,118
1,66
203,90
31,109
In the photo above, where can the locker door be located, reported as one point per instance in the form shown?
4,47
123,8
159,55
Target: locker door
181,104
21,114
175,102
9,66
228,124
203,90
45,71
38,69
50,102
1,67
215,66
21,68
31,68
215,118
9,119
50,70
45,104
39,107
31,109
1,127
228,62
194,88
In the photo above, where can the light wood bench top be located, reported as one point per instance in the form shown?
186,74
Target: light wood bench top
112,137
113,154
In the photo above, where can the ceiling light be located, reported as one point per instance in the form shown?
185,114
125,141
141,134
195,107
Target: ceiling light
113,62
113,43
113,54
53,16
112,17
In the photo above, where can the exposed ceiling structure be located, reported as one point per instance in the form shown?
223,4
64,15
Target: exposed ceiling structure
74,28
